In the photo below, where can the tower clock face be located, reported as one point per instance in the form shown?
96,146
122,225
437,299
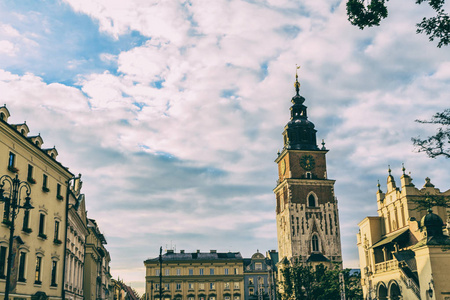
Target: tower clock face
307,162
283,167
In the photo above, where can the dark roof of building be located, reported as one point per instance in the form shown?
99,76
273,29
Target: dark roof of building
390,237
317,257
198,256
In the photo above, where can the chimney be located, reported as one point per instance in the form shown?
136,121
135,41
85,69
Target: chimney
212,251
198,251
181,251
169,251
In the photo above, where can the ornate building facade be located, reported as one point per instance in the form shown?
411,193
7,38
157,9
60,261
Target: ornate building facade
38,262
259,276
77,232
403,252
97,275
196,276
306,207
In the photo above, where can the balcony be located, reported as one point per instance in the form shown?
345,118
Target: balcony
386,266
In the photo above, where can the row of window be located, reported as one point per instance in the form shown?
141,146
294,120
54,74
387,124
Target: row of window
213,298
200,272
26,223
201,286
23,267
30,176
260,280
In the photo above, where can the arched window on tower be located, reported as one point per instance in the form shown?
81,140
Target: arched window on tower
315,243
311,201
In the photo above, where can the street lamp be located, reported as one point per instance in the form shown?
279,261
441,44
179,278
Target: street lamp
12,203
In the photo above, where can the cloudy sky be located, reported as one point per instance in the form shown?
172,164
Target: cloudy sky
173,110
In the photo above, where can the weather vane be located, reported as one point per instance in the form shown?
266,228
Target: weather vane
297,84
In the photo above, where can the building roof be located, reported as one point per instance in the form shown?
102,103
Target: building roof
170,255
390,237
317,257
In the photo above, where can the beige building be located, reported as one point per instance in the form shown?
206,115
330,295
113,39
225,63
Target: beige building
39,254
403,252
196,276
306,207
97,276
77,232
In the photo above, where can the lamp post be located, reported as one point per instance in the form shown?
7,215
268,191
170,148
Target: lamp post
12,201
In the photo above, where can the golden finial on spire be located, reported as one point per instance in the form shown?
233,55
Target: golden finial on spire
297,84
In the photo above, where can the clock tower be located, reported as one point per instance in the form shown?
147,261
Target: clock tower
307,212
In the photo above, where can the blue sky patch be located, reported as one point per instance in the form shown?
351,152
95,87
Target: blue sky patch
64,44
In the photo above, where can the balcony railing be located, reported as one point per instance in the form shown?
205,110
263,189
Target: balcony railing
386,266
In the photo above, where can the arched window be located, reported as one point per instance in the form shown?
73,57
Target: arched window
2,116
382,292
394,291
315,243
311,201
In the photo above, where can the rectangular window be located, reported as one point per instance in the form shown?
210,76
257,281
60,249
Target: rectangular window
42,226
26,221
58,192
191,271
178,286
11,160
56,231
157,287
211,271
30,174
212,286
201,286
22,261
37,273
250,281
156,272
236,285
167,272
2,261
6,212
236,271
167,286
258,266
178,272
251,291
45,184
191,285
227,285
201,271
226,271
54,264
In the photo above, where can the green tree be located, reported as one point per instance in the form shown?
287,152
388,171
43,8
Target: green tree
368,13
301,281
438,144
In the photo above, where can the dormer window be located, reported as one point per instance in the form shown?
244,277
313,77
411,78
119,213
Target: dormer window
2,116
308,175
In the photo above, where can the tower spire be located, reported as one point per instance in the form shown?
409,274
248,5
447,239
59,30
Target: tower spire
297,84
299,133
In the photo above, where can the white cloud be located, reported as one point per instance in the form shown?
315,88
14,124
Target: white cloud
7,48
180,141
